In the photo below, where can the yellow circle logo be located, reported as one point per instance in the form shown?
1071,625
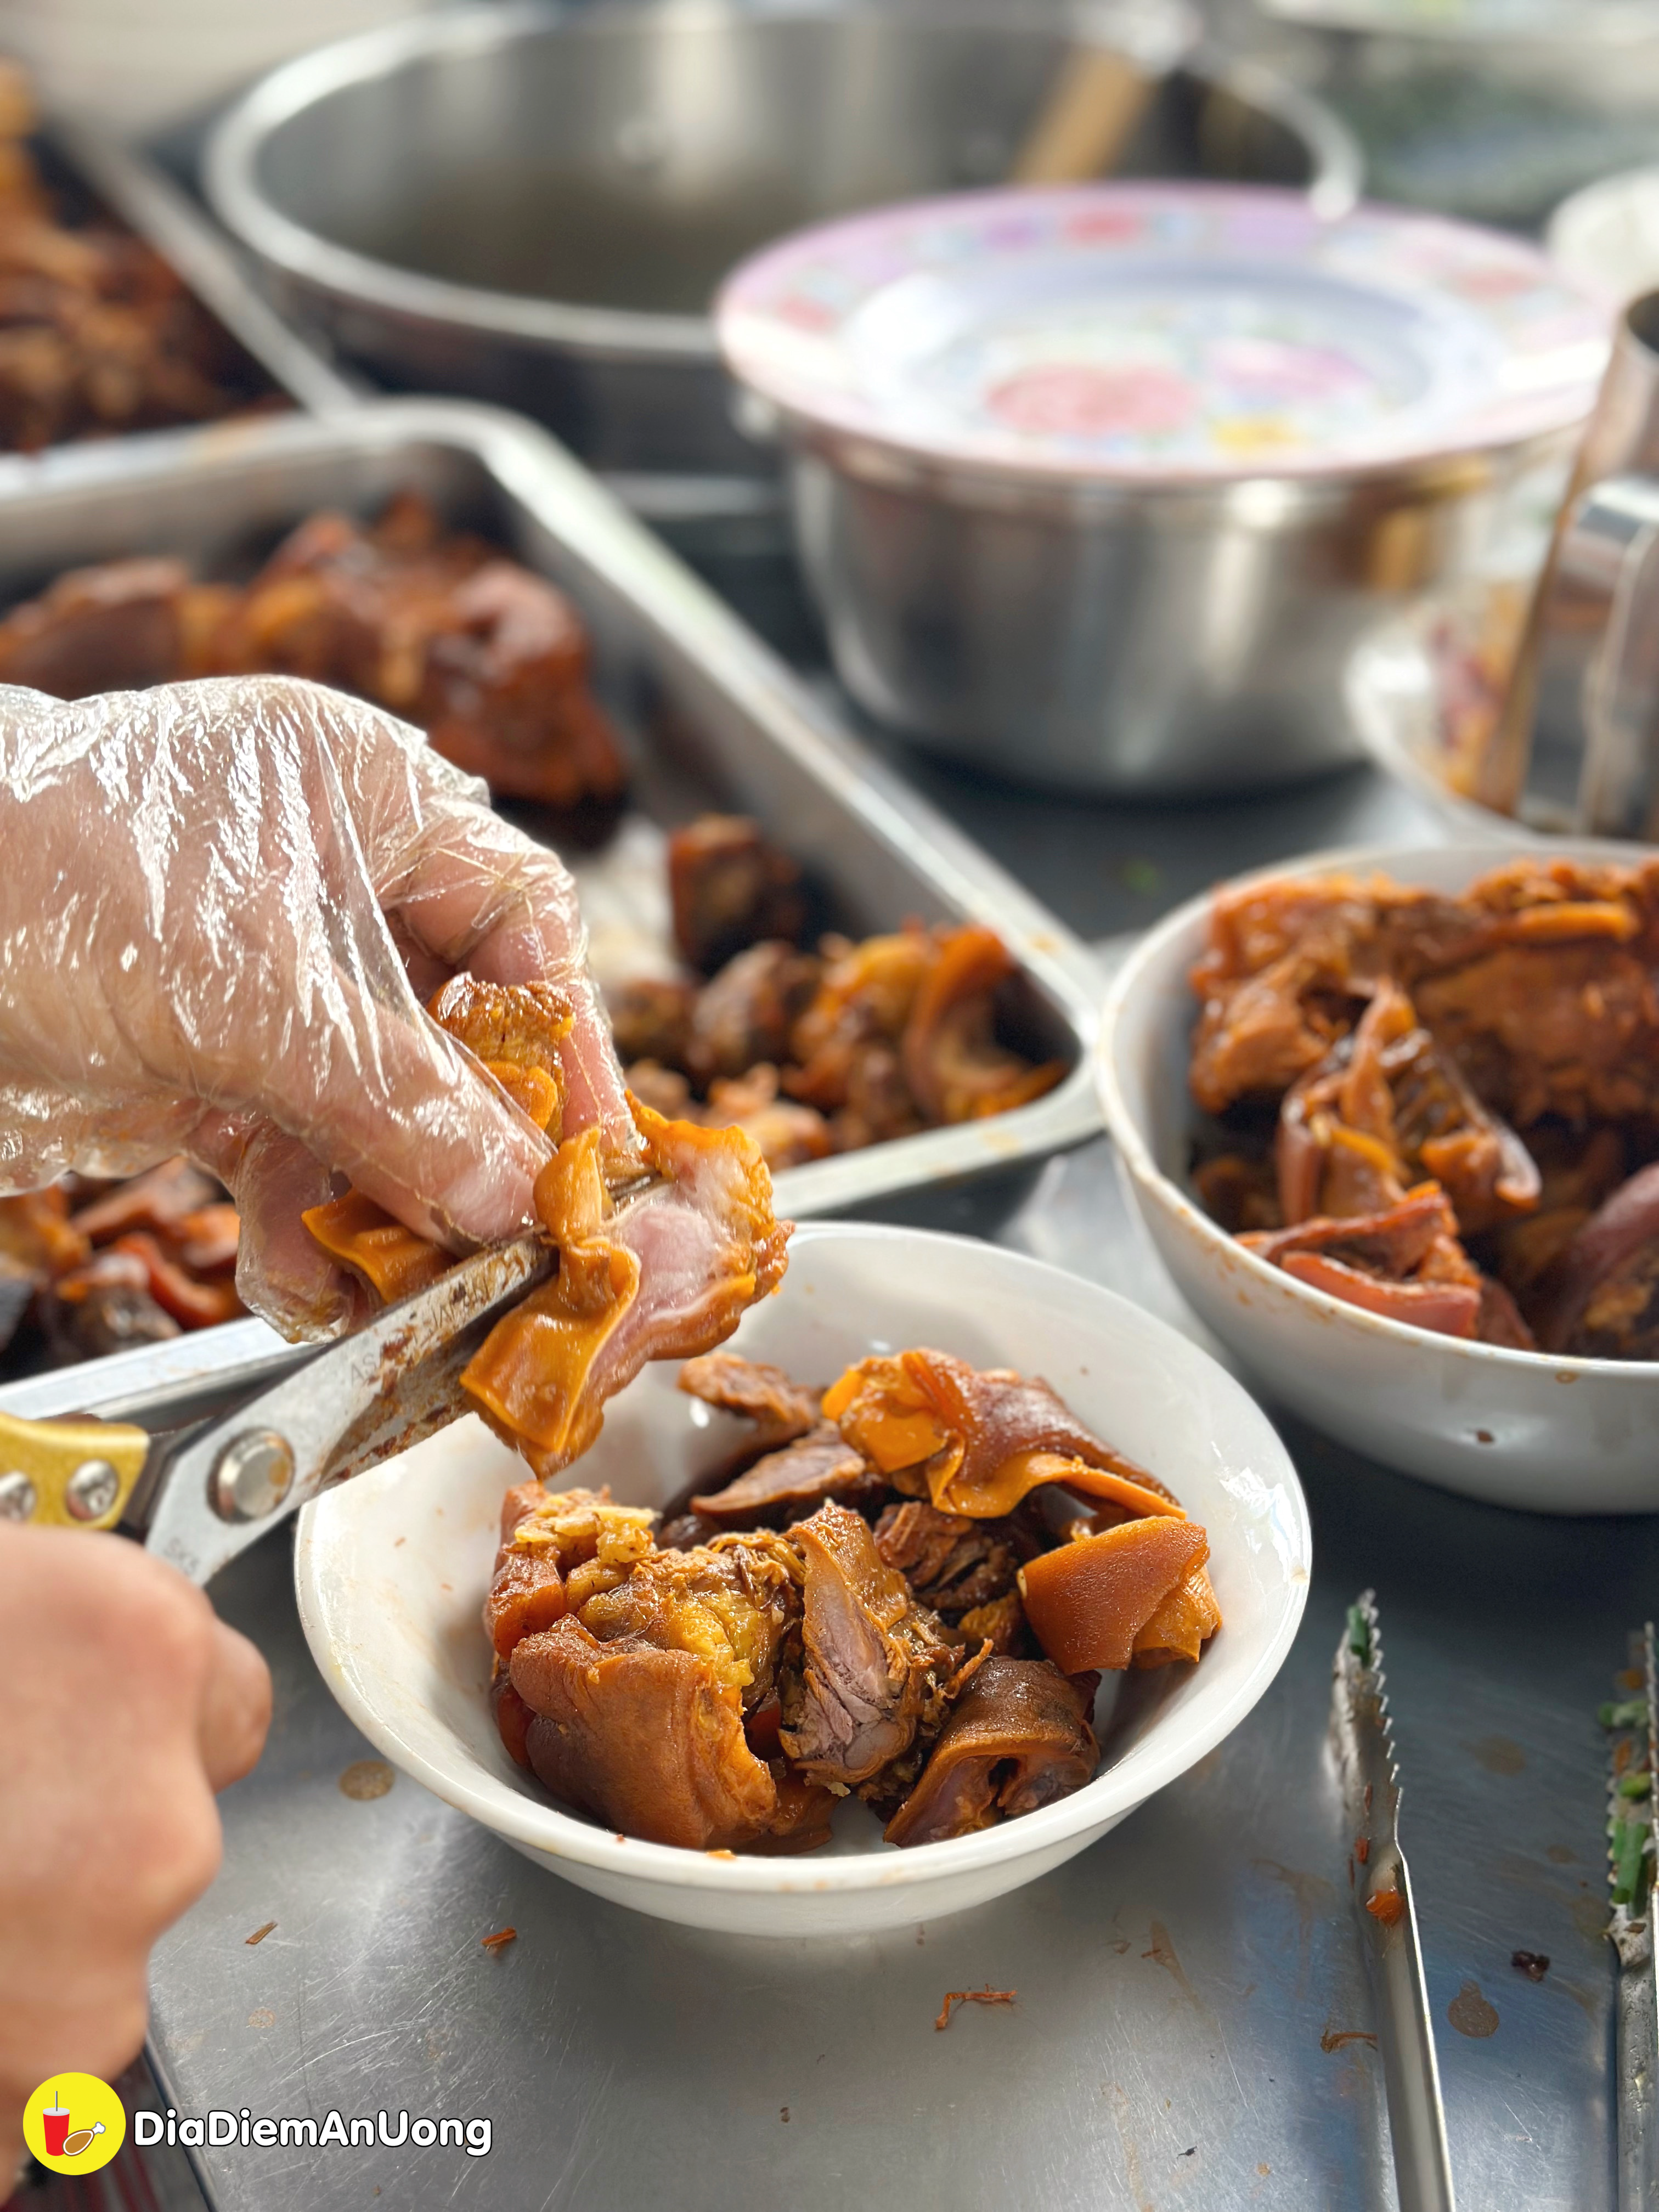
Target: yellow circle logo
75,2124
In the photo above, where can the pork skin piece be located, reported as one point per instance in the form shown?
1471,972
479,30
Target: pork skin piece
729,888
977,1441
646,1740
786,1485
1018,1738
875,1665
781,1408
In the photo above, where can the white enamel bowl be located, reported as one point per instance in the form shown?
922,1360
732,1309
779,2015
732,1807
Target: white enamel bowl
391,1571
1516,1428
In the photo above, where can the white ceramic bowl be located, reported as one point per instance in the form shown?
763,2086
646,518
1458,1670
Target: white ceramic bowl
391,1571
1516,1428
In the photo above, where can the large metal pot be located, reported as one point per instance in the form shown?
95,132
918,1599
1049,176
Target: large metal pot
535,206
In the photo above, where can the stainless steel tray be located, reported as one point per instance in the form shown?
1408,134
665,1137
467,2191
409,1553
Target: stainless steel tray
713,718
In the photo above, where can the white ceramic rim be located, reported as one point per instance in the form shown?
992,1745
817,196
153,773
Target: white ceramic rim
1144,1769
1136,1153
822,408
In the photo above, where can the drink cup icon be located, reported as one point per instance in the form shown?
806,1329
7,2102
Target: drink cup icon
54,2126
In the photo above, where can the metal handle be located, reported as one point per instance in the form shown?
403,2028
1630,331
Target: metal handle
68,1475
1416,2121
1606,577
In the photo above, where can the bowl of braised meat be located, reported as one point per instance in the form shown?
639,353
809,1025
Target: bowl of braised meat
1392,1120
939,1568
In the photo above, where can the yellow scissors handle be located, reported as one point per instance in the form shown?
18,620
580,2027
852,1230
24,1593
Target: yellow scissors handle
69,1475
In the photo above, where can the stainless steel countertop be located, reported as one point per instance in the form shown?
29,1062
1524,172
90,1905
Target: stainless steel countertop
1177,1984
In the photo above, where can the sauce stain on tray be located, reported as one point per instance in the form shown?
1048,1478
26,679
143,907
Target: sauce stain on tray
1470,2014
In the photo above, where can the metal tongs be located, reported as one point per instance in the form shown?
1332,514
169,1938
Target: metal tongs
202,1469
1633,1930
1363,1741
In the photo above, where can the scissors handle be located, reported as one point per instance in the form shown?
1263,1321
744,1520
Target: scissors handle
76,1473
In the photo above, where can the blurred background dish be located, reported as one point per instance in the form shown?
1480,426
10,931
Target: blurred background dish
1098,487
536,207
1491,109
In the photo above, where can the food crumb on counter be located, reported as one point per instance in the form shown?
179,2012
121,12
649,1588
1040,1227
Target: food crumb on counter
783,2113
1387,1905
1535,1965
1334,2038
987,1996
499,1941
366,1779
260,1934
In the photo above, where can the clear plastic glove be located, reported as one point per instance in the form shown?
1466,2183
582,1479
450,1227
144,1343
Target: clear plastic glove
222,907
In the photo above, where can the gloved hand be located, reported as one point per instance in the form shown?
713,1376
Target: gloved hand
126,1705
222,907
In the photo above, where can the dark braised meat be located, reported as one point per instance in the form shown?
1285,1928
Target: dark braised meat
1404,1261
1599,1299
1018,1738
780,1408
651,1019
132,1262
875,1667
1385,1110
952,1563
1489,1063
729,888
748,1012
122,626
1537,981
786,1485
488,657
98,334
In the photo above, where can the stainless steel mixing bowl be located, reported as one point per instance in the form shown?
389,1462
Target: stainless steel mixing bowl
535,206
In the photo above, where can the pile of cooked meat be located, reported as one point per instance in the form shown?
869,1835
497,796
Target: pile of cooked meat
1443,1109
820,1051
97,335
904,1588
88,1267
435,625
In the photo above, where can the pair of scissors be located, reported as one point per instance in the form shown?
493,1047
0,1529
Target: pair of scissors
200,1469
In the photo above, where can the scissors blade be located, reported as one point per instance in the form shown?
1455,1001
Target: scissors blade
379,1391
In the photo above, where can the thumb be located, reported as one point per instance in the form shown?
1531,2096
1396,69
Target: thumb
396,1106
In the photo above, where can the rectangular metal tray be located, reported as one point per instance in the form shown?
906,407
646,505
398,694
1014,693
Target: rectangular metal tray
147,202
712,716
